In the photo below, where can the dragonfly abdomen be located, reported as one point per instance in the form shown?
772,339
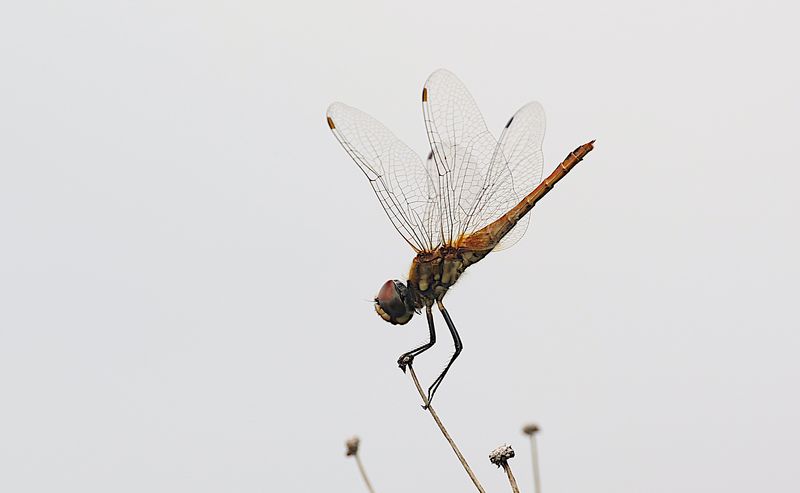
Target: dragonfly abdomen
485,239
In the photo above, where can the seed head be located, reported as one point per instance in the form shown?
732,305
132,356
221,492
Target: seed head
501,454
352,446
530,429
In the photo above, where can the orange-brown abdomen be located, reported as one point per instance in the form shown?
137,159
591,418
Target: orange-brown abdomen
485,239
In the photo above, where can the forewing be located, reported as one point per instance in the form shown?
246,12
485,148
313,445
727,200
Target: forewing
463,150
403,185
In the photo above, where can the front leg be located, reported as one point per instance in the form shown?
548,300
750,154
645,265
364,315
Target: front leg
408,358
456,343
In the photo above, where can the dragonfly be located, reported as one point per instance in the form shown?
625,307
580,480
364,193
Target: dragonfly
470,197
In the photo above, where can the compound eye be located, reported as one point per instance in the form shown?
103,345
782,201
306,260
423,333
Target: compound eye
390,303
388,291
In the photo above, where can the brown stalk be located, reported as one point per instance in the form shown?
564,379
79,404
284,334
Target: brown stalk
532,430
499,457
444,431
352,450
364,474
511,479
535,457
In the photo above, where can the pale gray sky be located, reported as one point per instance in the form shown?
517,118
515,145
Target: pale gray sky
187,255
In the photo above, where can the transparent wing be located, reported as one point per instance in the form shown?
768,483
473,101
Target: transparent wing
403,185
462,150
478,178
521,146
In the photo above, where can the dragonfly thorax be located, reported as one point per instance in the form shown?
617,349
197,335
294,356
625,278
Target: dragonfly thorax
433,273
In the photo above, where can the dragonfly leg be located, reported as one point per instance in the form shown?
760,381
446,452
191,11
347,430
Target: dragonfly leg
456,342
408,358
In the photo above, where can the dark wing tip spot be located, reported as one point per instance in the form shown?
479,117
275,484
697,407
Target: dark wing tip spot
509,122
330,123
424,94
430,155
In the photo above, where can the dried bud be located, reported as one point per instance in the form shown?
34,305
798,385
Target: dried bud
352,446
501,454
530,429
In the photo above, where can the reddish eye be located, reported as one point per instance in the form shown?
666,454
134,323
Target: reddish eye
390,303
387,292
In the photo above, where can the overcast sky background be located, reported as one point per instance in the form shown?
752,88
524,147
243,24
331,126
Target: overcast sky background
187,255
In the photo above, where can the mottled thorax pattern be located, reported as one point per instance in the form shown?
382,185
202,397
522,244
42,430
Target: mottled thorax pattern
433,273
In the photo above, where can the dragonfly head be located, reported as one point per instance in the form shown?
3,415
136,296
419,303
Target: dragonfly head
394,303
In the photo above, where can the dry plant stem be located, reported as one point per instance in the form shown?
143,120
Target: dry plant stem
511,479
537,486
364,474
444,432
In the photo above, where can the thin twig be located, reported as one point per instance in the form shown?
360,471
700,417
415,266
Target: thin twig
352,450
535,457
444,431
499,457
364,474
531,429
511,479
